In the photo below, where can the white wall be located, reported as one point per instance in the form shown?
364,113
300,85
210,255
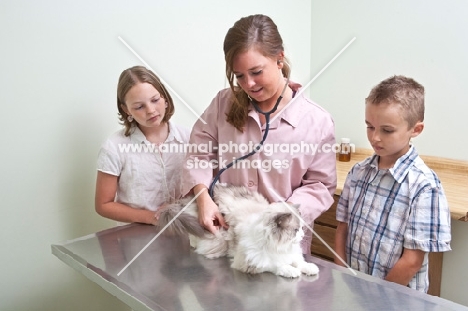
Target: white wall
59,65
425,40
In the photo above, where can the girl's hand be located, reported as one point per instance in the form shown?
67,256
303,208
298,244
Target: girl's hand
158,213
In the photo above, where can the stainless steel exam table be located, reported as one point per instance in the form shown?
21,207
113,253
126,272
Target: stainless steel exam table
168,275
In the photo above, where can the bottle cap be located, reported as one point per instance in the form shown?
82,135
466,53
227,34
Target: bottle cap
345,140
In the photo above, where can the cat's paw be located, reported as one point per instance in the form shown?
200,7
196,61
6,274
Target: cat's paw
309,268
288,271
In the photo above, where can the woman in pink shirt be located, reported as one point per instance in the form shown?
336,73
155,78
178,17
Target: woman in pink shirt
296,163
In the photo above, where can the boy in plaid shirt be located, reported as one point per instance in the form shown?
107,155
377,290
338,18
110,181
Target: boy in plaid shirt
392,211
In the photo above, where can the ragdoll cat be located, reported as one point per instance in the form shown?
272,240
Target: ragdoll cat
262,237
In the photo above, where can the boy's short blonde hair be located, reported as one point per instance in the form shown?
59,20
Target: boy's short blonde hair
405,92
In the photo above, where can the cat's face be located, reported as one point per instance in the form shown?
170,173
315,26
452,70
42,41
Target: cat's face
283,226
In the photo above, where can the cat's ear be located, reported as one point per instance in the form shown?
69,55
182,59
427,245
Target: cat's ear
282,219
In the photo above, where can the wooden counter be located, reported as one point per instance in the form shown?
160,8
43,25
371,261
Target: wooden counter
452,173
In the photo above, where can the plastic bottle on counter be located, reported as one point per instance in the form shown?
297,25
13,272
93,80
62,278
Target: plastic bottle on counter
345,150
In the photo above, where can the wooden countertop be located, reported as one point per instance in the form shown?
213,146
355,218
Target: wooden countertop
452,173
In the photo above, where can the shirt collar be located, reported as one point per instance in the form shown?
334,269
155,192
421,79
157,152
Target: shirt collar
137,135
174,134
402,166
291,116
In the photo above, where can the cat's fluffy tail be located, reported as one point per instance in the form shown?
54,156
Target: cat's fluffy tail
185,223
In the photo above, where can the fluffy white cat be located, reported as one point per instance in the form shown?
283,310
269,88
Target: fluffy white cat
262,237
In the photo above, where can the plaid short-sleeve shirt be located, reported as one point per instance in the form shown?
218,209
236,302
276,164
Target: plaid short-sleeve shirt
390,209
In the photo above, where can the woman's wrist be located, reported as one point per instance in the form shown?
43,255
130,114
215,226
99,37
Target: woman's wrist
201,192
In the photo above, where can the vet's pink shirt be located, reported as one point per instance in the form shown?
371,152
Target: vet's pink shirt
297,162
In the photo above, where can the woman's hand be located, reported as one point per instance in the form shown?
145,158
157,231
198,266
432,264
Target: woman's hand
208,212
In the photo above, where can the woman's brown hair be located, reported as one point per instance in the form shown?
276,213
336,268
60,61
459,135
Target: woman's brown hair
254,31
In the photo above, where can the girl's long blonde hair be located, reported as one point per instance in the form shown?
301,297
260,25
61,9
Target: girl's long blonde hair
134,75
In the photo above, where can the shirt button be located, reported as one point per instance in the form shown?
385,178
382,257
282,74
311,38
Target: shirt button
250,184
